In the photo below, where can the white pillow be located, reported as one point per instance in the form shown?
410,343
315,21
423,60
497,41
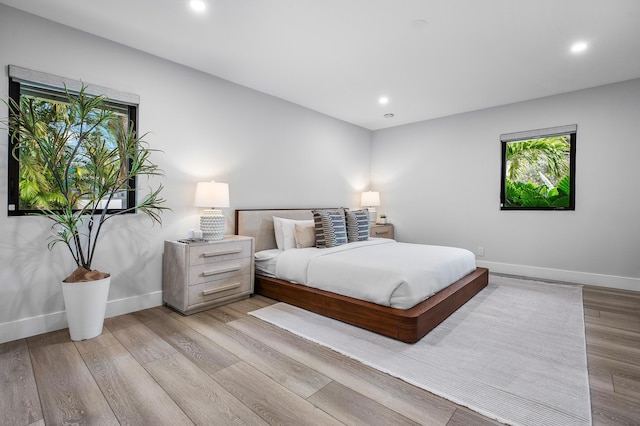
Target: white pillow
277,228
267,254
285,231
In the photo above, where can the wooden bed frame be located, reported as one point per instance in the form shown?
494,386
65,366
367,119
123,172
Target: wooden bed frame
408,325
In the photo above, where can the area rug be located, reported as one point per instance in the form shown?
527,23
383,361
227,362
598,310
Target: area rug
515,352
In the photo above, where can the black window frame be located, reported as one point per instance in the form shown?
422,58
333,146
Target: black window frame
13,166
572,132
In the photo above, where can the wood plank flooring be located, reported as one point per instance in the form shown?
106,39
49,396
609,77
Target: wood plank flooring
224,367
612,326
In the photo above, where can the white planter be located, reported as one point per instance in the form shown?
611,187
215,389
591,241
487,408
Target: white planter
86,303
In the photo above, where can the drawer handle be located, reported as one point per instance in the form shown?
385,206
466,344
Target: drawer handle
381,232
221,253
219,289
220,271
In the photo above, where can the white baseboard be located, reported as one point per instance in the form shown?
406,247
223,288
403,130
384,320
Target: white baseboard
33,326
610,281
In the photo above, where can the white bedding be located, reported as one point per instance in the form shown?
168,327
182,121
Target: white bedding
381,271
266,261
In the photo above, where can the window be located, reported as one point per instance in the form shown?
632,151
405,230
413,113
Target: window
538,169
30,188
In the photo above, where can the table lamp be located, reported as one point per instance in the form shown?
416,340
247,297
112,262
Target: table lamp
370,200
212,195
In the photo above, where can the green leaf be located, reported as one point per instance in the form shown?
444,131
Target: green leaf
531,198
561,202
564,186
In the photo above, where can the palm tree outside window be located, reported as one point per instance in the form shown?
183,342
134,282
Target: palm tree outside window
538,169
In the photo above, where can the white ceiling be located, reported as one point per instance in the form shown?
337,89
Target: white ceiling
339,56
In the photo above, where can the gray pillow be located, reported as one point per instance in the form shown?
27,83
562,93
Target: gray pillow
330,227
357,225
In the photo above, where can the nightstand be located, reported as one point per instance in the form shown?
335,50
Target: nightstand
381,231
201,275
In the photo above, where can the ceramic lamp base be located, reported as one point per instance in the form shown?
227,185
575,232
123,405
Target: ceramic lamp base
372,214
212,224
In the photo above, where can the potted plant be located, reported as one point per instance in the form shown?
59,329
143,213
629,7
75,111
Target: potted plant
383,219
86,156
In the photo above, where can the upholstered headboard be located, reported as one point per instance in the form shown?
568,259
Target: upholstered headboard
259,224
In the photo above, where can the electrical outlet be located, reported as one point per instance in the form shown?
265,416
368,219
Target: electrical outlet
480,251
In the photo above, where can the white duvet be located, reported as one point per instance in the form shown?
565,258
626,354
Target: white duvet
381,271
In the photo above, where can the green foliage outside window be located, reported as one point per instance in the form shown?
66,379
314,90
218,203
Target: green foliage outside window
538,173
56,128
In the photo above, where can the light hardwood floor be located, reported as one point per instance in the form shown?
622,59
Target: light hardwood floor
157,367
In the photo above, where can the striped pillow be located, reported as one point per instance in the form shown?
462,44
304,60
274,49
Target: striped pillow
331,229
357,225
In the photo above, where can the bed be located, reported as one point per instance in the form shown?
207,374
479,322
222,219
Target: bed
408,325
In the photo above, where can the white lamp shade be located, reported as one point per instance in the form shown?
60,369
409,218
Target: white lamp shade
212,194
370,199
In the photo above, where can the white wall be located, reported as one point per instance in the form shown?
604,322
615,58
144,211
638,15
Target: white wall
440,183
271,152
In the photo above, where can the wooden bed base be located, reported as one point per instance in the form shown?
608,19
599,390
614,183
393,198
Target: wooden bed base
408,325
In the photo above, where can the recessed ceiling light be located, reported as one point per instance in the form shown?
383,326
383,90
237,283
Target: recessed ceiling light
383,100
579,47
389,115
198,5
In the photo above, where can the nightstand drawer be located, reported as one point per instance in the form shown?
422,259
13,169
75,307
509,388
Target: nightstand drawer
210,253
217,289
382,231
219,270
